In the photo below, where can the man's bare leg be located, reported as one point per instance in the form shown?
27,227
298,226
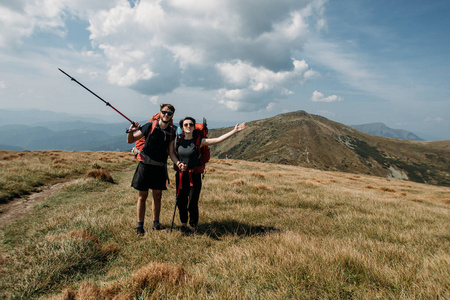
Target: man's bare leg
141,205
140,211
156,206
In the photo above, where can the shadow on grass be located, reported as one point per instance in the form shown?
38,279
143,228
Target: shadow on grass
219,229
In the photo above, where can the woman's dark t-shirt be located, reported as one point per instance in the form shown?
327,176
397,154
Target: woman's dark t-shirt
188,153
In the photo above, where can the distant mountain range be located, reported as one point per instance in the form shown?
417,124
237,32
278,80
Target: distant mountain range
75,136
45,130
295,138
33,117
303,139
380,129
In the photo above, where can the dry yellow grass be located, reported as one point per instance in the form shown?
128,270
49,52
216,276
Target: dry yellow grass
266,231
100,174
24,172
149,277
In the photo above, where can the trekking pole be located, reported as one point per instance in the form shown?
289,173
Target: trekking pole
174,210
176,202
107,103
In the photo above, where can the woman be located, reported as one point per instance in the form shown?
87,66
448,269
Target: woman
189,182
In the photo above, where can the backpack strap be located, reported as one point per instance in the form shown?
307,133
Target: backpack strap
180,140
180,180
198,142
172,133
154,123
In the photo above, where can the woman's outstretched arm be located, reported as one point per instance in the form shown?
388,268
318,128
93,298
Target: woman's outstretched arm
223,137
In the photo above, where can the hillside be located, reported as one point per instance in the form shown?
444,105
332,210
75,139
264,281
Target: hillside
266,231
303,139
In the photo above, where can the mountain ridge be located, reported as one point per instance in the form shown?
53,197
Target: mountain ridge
299,138
295,138
380,129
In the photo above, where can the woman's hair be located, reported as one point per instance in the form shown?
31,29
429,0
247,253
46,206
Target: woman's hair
187,118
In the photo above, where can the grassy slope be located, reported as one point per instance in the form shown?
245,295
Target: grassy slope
24,172
266,231
307,140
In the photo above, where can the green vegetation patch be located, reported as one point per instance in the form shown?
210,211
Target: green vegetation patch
24,172
417,172
366,151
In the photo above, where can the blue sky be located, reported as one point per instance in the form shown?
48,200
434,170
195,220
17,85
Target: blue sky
353,62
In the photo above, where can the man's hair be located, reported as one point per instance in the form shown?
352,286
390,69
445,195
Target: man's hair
169,106
187,118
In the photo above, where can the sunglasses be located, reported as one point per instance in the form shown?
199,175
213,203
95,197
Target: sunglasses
167,112
188,124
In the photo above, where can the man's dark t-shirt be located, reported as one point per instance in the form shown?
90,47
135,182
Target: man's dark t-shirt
156,145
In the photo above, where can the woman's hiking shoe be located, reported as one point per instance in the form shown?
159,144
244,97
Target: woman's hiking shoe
187,231
158,227
184,229
140,231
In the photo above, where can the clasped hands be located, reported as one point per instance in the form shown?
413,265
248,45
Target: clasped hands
182,166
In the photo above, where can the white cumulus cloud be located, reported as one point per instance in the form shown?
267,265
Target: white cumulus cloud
154,100
21,18
249,88
243,50
319,97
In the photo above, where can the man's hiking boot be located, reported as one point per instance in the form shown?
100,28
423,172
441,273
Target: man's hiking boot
140,231
159,227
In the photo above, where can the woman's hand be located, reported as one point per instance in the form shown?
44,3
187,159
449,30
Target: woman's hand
182,166
239,127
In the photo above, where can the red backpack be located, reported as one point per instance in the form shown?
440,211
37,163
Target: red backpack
139,145
200,132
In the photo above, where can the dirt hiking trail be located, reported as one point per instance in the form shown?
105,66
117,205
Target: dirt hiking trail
20,207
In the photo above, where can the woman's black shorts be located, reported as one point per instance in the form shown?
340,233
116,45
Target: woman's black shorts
149,177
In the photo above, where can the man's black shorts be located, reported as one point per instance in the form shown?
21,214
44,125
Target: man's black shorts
149,177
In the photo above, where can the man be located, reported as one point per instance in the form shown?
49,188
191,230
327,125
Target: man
152,173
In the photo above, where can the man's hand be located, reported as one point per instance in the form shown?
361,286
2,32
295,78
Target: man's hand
134,127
